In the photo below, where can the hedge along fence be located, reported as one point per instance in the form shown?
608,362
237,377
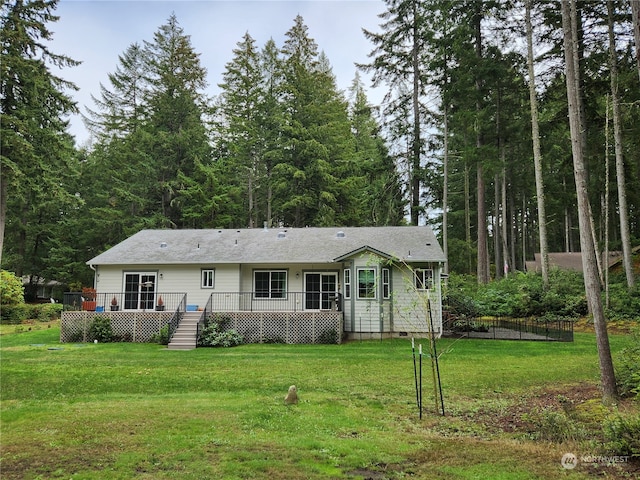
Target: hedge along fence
43,312
126,326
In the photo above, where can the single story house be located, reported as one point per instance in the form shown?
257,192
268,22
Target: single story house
41,290
368,282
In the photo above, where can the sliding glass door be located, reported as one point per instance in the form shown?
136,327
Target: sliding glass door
139,291
320,290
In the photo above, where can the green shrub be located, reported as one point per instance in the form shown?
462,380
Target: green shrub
622,433
49,311
215,334
519,295
100,329
43,312
329,336
624,304
11,289
628,367
162,337
14,314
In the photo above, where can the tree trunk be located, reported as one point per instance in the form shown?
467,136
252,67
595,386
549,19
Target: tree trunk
513,231
591,280
467,214
606,207
617,137
251,199
3,212
635,15
505,249
483,249
497,232
417,143
496,194
445,190
537,155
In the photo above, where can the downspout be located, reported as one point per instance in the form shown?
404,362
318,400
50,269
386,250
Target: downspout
392,265
352,297
381,300
95,276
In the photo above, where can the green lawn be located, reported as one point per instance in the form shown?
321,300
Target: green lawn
110,411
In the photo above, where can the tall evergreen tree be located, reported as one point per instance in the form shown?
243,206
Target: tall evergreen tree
380,201
625,236
120,110
176,107
243,142
116,173
272,120
37,157
592,284
397,60
315,135
537,155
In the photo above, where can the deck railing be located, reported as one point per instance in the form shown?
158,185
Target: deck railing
123,301
174,323
280,302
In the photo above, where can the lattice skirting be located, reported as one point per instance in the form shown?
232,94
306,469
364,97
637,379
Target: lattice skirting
127,326
286,327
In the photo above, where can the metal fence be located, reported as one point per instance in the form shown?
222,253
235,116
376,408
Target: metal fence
144,301
498,328
272,302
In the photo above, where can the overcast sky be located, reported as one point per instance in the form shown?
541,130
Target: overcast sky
97,32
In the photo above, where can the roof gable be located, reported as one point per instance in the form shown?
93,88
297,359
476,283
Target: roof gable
364,249
272,246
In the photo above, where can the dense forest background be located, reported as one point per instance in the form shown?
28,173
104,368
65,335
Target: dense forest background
472,138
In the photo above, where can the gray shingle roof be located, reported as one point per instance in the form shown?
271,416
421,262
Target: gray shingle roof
285,245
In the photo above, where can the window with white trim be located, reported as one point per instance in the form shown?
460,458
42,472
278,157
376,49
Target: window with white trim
424,278
366,283
347,283
207,278
270,284
386,283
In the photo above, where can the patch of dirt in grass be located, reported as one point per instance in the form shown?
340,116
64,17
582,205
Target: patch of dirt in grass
560,399
530,416
50,463
614,327
382,471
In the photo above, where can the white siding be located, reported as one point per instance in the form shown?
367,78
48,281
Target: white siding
366,312
172,279
410,305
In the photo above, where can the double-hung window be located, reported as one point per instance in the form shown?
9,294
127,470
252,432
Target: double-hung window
270,284
386,283
207,278
347,283
366,283
424,278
